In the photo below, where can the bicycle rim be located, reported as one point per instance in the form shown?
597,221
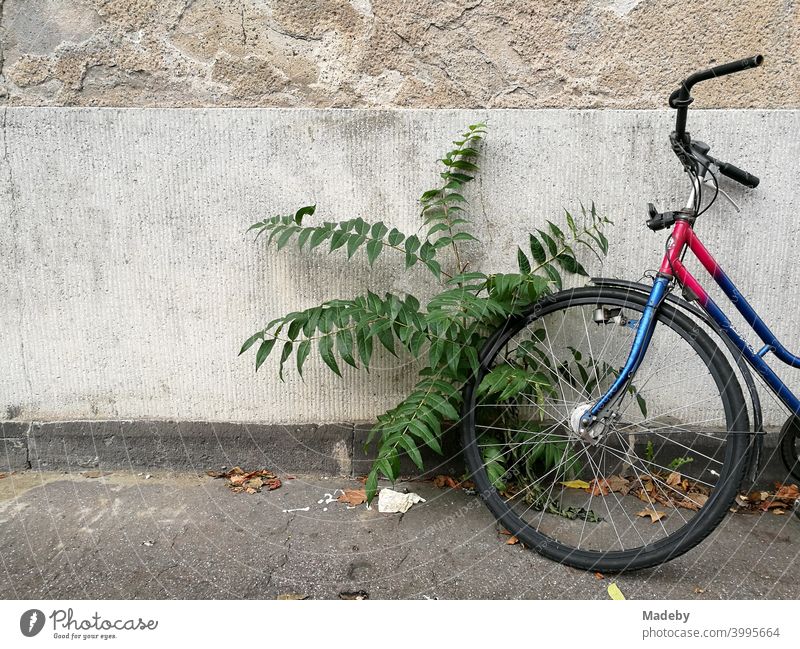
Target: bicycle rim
657,481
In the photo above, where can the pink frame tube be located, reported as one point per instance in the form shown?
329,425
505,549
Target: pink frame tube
683,235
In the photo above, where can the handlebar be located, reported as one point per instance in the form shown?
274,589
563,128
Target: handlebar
680,100
681,97
739,175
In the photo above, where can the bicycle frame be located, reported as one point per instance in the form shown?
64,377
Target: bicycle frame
683,237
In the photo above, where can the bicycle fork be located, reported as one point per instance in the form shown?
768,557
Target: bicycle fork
592,423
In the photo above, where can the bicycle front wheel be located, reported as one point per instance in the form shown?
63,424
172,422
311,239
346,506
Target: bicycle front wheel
655,482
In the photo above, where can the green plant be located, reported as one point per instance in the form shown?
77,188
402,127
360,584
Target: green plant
448,330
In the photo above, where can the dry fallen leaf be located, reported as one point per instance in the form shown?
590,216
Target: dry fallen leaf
358,594
599,487
291,596
787,492
653,514
442,481
674,479
512,540
353,497
618,484
576,484
599,576
699,591
248,482
614,592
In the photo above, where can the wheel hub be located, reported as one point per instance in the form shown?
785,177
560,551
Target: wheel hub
590,433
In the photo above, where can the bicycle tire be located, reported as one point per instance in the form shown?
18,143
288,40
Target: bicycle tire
790,437
736,449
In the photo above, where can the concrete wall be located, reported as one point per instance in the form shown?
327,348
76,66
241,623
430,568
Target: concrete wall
421,54
129,283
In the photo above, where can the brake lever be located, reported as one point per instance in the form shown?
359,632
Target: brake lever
710,182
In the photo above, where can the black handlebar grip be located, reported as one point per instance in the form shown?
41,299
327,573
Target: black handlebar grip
681,97
740,176
728,68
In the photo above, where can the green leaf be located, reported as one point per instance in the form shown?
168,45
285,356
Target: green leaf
463,236
386,339
353,243
371,485
642,404
554,275
285,353
463,165
339,238
308,210
303,349
374,248
571,265
319,235
344,346
395,237
302,238
263,351
557,232
434,267
571,223
443,406
284,238
364,345
551,245
537,250
326,353
251,341
378,230
523,262
413,452
423,433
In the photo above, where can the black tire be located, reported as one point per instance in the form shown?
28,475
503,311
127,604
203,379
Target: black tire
735,451
790,447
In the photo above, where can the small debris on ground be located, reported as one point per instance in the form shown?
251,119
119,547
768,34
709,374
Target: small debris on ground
292,596
394,502
599,576
148,543
614,592
95,474
358,594
512,540
654,515
699,591
353,497
250,482
447,481
784,497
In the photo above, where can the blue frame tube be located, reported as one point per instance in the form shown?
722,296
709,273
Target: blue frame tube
644,333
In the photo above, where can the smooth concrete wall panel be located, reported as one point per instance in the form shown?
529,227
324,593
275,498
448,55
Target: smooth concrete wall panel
129,283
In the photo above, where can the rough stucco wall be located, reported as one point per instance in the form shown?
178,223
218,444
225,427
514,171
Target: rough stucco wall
128,284
363,53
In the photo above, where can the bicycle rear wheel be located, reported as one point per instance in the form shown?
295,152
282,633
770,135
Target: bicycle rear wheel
657,481
790,446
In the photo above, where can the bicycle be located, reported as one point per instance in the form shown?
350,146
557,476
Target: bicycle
615,469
